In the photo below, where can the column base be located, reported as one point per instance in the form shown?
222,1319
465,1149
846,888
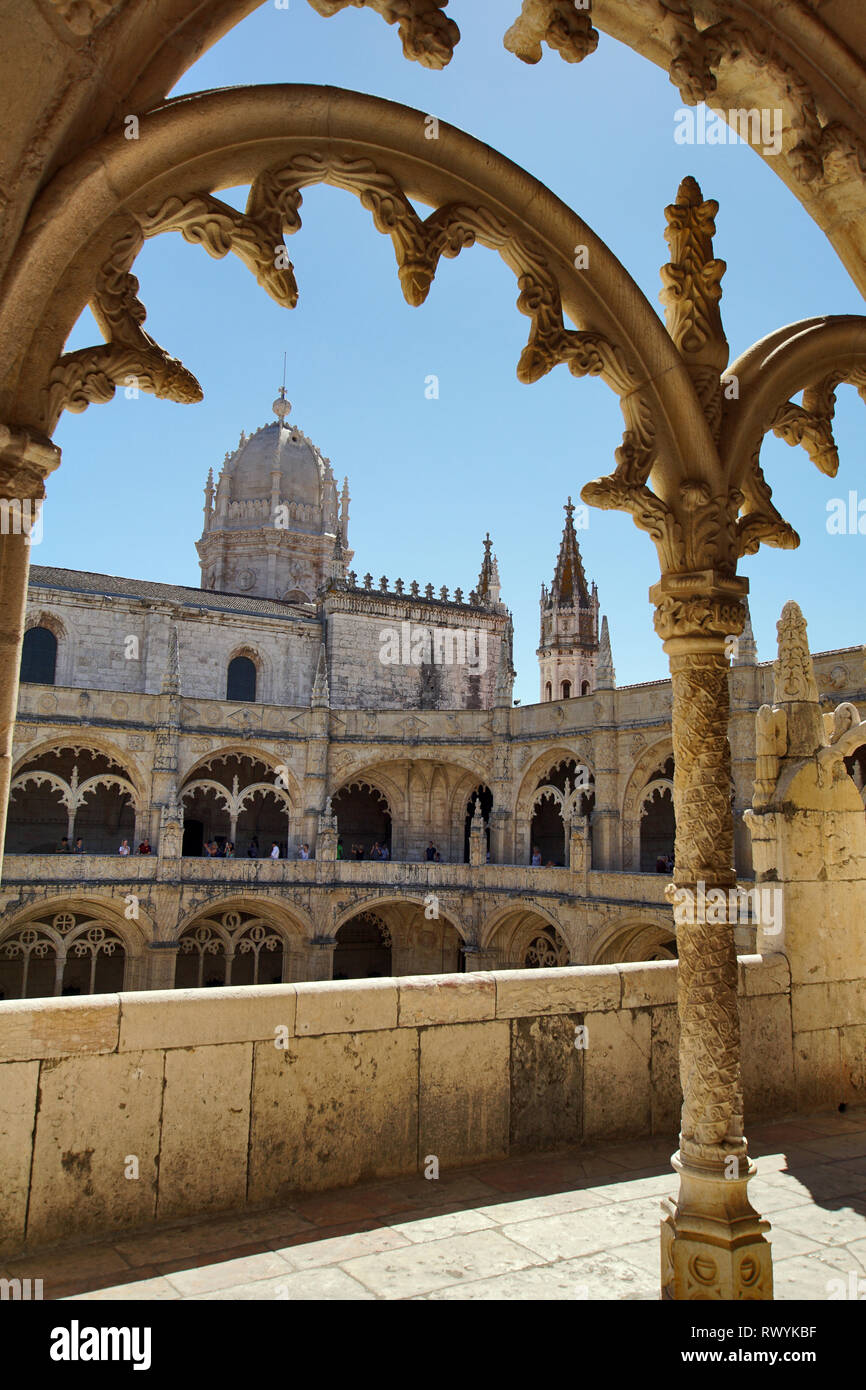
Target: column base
712,1240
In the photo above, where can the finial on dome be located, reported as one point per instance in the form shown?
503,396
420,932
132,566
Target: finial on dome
281,406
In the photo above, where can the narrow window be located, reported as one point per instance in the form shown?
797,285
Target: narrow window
566,690
241,682
38,657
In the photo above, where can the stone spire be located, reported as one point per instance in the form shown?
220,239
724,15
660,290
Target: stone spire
795,689
345,499
488,580
208,500
793,673
747,647
338,559
569,623
171,679
605,675
321,697
569,582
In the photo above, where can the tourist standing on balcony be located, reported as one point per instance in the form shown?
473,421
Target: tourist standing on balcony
64,846
304,852
124,848
79,846
431,852
275,851
536,858
357,851
229,850
384,852
144,847
253,850
340,851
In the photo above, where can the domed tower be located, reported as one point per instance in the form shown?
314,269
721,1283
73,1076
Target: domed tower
271,524
569,624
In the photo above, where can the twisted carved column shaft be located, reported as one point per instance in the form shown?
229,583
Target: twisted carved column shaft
712,1117
696,616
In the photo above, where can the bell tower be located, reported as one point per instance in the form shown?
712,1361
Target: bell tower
568,645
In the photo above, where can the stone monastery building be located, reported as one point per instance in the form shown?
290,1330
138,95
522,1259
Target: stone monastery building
292,702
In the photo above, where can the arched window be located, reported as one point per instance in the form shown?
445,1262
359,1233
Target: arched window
38,657
548,691
241,681
566,690
584,689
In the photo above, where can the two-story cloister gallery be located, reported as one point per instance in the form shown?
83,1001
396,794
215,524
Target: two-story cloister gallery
300,798
267,709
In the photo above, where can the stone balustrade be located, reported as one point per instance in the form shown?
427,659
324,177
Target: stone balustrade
639,889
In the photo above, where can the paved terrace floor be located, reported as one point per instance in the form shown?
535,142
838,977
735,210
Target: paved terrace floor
568,1225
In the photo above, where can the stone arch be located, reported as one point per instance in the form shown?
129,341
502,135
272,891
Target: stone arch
650,760
556,756
238,803
250,750
554,811
261,136
637,937
364,816
509,933
70,946
657,823
95,742
241,940
423,936
761,62
69,790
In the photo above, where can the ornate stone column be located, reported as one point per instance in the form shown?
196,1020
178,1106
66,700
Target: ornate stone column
26,459
713,1243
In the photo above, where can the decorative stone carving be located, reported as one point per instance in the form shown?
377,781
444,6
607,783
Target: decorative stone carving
129,356
82,16
771,742
428,36
559,24
691,295
793,673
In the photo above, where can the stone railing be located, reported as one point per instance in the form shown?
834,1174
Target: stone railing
107,868
320,1085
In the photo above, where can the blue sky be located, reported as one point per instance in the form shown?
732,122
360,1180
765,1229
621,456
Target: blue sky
429,477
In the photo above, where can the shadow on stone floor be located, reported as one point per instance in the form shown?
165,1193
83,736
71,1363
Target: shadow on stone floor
514,1225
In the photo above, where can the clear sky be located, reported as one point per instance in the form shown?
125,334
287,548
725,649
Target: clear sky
429,477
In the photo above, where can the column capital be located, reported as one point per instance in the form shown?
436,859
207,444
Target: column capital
698,609
26,459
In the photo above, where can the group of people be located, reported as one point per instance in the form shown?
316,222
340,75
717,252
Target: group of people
379,850
214,850
124,847
665,864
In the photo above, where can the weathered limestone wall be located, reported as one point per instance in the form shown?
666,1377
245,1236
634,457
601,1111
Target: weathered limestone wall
93,650
361,679
371,1079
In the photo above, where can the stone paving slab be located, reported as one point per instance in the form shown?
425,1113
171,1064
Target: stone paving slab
567,1226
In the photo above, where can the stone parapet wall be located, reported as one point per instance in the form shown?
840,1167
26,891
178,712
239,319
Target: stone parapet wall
234,1098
